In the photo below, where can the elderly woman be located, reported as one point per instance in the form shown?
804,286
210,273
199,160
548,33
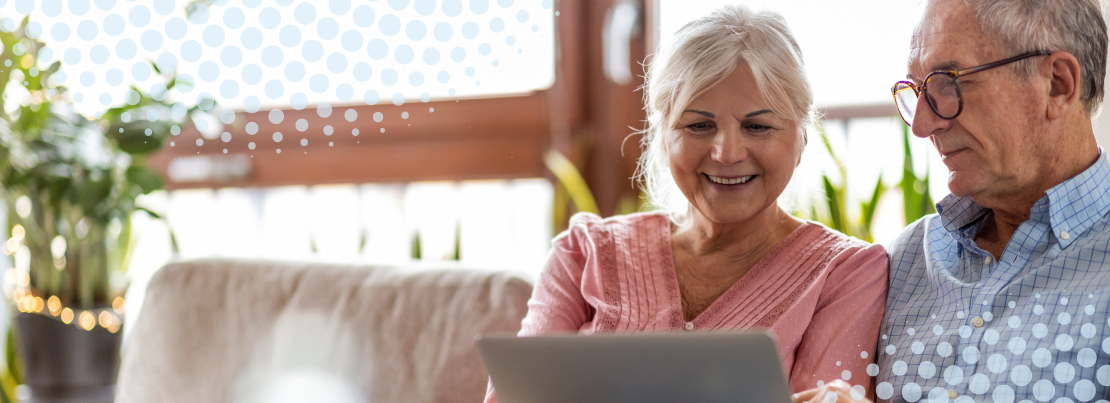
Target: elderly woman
728,104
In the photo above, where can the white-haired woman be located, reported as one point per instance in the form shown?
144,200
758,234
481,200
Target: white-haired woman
728,103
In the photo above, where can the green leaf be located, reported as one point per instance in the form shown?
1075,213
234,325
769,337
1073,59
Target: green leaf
149,212
147,179
869,207
572,180
833,200
131,136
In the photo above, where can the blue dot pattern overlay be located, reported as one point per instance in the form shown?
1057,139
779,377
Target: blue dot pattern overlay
1030,327
253,54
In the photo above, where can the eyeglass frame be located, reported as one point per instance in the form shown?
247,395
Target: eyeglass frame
956,74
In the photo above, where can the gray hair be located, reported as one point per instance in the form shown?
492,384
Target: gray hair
703,53
1073,26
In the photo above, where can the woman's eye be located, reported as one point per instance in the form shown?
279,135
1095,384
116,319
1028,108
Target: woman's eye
699,127
755,127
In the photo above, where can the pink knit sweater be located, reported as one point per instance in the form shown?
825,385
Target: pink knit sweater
819,292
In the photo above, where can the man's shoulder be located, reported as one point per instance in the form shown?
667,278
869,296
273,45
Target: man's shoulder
912,238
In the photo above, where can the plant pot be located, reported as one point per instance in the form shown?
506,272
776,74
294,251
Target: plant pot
66,364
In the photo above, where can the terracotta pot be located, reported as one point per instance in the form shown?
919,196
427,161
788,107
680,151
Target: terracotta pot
67,364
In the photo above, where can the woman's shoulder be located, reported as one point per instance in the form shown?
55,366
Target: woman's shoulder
837,246
625,222
590,227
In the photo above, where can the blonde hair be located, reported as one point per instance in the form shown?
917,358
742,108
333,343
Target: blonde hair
704,52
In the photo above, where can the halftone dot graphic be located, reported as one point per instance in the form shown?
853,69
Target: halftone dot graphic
370,97
344,92
294,71
1021,375
899,368
277,137
1040,330
1016,345
997,363
1063,372
305,13
1064,342
925,370
970,354
884,390
1043,390
213,36
328,130
1088,330
1042,357
327,28
911,392
978,384
954,374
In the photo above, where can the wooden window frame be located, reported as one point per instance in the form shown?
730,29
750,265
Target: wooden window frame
583,115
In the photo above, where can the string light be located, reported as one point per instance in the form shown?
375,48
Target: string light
87,321
26,301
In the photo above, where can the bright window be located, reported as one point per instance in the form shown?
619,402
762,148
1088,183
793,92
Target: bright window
255,55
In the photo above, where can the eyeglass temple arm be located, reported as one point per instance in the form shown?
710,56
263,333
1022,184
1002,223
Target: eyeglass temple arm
1002,62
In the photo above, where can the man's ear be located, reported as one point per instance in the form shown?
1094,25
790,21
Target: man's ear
1065,84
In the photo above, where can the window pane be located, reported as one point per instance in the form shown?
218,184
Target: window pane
276,54
868,40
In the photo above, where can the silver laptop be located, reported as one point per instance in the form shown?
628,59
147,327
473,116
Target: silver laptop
636,368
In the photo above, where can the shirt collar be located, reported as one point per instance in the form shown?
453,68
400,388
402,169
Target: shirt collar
1073,206
1079,202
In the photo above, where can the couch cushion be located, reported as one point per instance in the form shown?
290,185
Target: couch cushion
413,328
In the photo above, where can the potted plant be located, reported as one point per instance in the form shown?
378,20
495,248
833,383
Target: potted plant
70,184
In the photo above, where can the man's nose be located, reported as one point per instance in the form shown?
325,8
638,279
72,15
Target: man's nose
926,122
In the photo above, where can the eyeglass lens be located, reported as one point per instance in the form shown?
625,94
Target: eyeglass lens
941,91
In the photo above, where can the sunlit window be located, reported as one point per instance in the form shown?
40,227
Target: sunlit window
255,55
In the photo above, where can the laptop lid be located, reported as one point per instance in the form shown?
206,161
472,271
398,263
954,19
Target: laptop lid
636,368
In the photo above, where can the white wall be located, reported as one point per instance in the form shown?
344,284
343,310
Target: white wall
1102,128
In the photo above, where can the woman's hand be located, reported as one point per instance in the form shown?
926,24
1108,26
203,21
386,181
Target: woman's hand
836,391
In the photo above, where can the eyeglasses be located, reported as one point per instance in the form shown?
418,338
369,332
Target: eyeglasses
942,89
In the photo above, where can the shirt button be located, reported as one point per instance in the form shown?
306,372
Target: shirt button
978,321
1064,235
951,394
689,325
987,260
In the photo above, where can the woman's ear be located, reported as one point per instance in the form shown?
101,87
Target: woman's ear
805,142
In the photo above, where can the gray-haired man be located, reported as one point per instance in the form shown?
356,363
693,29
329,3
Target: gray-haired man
1004,294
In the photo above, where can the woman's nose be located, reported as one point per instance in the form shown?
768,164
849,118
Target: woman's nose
729,147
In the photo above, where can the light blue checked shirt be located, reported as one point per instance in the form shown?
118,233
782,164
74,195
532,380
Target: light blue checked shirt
1031,327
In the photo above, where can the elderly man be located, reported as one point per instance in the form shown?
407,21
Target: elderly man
1004,294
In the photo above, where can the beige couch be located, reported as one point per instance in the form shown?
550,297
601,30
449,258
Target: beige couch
209,327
